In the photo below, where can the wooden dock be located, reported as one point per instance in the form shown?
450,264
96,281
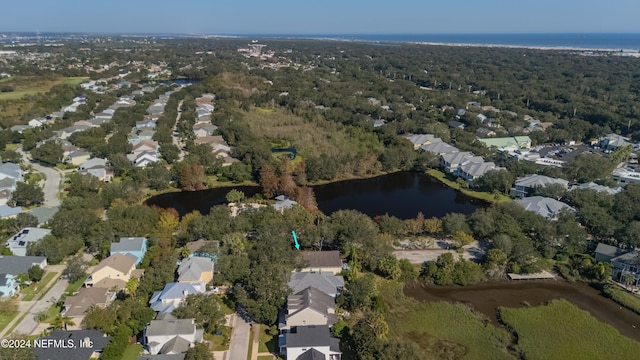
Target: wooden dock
543,275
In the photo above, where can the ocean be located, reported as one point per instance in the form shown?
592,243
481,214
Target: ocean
612,41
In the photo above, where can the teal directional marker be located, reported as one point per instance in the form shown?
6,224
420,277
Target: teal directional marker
295,239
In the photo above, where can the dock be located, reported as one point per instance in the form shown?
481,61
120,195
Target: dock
543,275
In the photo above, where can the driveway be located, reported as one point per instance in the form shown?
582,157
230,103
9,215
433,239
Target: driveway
51,184
239,346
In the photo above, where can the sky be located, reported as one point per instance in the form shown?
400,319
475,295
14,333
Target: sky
321,16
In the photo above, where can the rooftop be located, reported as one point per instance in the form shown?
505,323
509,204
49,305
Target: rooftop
325,282
98,339
543,206
119,262
128,244
171,327
322,258
192,268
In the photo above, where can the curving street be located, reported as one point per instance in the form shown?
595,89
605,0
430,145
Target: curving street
51,184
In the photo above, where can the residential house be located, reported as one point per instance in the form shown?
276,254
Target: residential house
520,142
482,118
76,306
310,342
157,108
18,242
461,112
78,157
145,124
326,282
321,261
543,206
5,194
452,161
598,188
142,160
115,270
96,167
196,269
456,125
171,336
471,171
613,141
162,357
474,104
173,295
12,172
284,203
16,265
421,139
8,212
525,184
140,135
378,123
44,213
34,123
202,130
439,148
9,286
485,133
606,252
133,246
625,264
68,131
309,307
19,128
88,344
211,140
145,146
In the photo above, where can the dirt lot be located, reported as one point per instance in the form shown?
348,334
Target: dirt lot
475,251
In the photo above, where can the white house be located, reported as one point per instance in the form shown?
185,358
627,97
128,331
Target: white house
311,342
171,336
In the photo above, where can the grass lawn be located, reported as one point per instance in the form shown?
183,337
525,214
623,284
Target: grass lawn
560,330
250,345
265,357
226,304
131,352
481,195
34,289
11,147
442,330
72,288
5,319
268,342
31,86
220,342
623,297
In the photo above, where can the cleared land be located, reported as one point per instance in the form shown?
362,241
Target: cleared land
310,137
560,330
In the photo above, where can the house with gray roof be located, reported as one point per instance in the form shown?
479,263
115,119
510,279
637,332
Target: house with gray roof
525,184
133,246
16,265
439,148
7,212
88,345
606,252
76,306
421,139
626,264
321,261
284,203
309,342
598,188
44,213
162,357
543,206
471,171
11,171
196,269
18,242
173,336
173,295
9,286
326,282
19,128
309,307
452,161
614,141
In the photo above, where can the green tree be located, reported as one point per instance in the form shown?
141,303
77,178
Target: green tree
50,152
199,351
453,222
27,194
17,353
76,269
35,273
205,309
388,267
500,180
235,196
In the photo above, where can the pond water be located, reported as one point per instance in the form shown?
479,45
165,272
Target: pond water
487,297
401,194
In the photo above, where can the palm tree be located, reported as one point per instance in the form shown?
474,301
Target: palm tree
378,325
61,322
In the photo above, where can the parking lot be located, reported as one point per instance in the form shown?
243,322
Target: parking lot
567,153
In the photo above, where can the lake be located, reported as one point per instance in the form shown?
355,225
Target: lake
487,297
401,194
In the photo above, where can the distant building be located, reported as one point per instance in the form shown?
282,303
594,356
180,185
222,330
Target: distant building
520,142
543,206
525,184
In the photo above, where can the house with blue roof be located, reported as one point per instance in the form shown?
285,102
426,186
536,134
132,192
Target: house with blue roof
8,212
173,295
133,246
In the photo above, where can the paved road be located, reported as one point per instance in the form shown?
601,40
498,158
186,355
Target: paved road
239,346
176,138
52,183
29,324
